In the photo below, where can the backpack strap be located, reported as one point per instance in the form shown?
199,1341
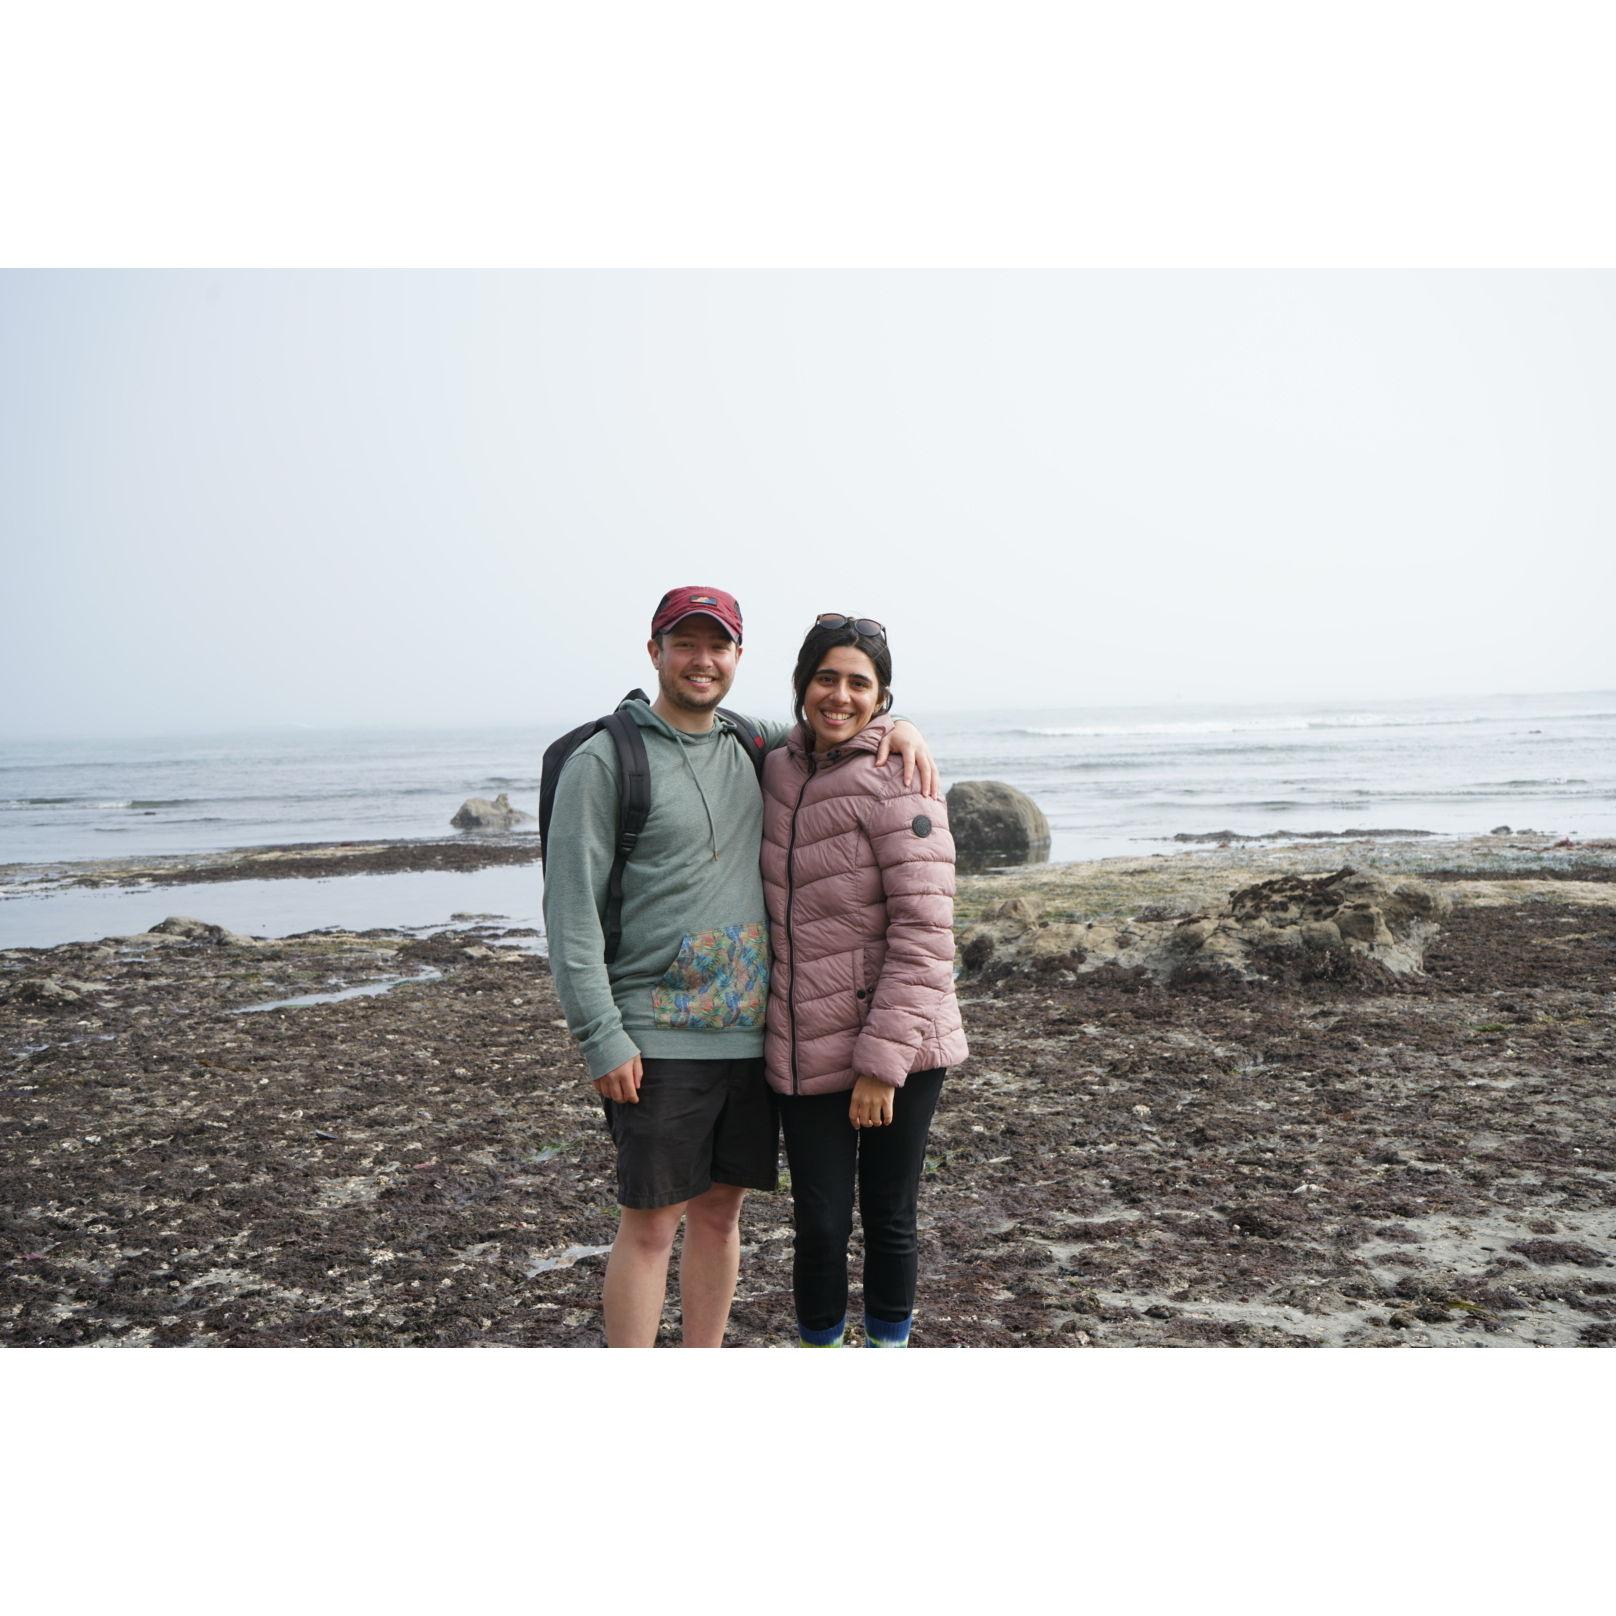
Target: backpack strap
633,809
750,734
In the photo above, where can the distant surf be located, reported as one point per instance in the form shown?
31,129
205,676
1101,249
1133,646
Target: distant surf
1110,779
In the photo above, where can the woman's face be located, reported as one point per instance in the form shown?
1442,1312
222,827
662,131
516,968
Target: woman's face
842,697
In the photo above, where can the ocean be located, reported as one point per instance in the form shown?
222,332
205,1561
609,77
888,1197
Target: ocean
1112,780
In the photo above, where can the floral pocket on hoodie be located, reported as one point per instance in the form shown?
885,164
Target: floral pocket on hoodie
718,979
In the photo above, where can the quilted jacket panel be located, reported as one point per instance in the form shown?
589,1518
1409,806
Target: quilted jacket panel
859,877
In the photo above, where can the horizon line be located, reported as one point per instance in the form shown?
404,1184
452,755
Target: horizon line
405,726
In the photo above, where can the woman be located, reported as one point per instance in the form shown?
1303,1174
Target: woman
859,875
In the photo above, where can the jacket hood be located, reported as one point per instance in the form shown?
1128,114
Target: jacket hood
867,740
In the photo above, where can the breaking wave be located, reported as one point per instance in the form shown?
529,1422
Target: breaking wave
1300,724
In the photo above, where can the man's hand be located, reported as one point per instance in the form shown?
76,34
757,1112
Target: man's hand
872,1103
907,741
622,1083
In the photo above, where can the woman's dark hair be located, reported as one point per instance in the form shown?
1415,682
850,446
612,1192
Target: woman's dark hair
822,639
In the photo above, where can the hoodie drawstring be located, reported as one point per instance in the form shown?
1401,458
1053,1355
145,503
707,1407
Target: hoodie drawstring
684,752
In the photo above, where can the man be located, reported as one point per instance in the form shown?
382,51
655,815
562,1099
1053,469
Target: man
676,1049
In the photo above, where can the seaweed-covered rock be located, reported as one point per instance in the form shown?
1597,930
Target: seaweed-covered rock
1342,927
988,818
49,992
1013,939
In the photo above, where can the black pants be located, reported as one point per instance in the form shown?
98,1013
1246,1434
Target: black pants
825,1151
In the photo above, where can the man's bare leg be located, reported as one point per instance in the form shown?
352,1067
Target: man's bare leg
710,1263
637,1274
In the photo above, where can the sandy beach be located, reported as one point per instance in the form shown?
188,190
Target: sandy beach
1309,1157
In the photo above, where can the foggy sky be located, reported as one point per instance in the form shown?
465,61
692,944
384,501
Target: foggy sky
238,499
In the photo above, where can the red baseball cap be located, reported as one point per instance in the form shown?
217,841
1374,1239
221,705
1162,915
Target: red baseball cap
691,600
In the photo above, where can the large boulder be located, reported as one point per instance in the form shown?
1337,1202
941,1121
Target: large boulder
989,819
478,813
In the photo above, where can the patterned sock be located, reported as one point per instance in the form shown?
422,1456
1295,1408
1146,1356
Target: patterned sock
882,1333
821,1338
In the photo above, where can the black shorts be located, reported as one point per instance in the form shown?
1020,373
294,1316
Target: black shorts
697,1123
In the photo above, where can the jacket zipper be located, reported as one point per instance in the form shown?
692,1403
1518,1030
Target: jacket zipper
791,977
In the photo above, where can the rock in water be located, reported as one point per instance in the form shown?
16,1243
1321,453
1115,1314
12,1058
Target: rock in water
989,818
197,931
478,813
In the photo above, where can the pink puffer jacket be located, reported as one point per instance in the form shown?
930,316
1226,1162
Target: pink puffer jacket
859,876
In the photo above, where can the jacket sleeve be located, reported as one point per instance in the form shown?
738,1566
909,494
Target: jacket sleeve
915,853
577,873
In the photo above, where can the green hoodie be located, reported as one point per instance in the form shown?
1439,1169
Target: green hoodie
691,976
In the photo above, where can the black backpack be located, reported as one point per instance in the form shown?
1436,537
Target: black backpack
634,805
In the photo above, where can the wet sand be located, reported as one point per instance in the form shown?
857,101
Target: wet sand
1425,1162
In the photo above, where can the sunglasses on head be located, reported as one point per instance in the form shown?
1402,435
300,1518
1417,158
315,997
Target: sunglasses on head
867,626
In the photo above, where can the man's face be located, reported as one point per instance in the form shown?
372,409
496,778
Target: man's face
695,663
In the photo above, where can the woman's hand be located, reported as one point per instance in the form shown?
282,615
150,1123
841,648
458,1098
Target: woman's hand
910,745
872,1103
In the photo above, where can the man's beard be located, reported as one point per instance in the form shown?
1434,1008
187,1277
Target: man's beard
678,696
